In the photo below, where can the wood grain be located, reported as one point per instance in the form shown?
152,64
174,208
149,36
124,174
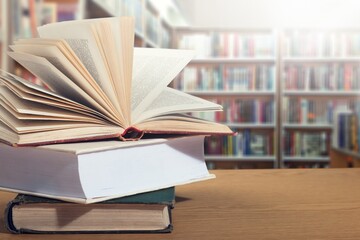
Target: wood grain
256,204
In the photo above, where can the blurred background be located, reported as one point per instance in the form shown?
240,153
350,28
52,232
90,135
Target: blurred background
287,72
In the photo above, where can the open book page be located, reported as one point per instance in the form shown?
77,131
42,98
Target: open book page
153,70
173,101
118,51
7,135
61,62
66,50
86,133
57,81
80,36
182,124
28,91
27,110
21,126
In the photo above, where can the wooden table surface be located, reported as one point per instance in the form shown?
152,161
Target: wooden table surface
255,204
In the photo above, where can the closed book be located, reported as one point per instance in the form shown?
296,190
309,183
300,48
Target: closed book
144,212
97,171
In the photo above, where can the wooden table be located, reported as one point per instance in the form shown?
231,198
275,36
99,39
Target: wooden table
255,204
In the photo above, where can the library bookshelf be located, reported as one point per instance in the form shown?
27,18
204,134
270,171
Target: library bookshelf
21,19
236,68
279,88
345,139
320,74
151,28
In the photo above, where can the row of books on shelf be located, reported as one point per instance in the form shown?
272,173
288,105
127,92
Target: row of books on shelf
246,143
157,31
165,36
241,111
314,111
152,26
227,78
321,44
28,14
335,76
132,8
306,144
346,134
25,18
229,44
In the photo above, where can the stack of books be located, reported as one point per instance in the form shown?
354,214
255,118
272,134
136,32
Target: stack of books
101,144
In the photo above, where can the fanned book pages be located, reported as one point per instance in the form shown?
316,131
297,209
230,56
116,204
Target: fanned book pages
98,86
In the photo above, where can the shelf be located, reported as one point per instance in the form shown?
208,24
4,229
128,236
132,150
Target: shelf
308,126
231,93
347,152
321,93
320,59
240,158
251,125
305,159
233,60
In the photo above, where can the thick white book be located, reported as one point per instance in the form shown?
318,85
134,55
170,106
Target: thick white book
90,172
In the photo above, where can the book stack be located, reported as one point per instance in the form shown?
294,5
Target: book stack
61,148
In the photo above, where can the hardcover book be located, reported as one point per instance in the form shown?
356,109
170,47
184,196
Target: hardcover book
145,212
98,86
89,172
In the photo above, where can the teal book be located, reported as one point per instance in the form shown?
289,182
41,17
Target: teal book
148,212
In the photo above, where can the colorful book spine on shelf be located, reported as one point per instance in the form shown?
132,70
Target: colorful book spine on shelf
324,77
247,143
229,44
227,78
346,128
152,26
306,144
67,11
133,8
256,111
25,18
312,110
321,44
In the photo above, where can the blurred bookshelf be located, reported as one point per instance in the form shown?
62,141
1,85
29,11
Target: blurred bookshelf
282,90
24,16
151,28
320,74
345,142
237,69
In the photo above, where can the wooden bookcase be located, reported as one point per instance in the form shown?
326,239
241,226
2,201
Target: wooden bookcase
236,68
340,158
320,72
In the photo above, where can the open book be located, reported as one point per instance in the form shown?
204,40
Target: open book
98,86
